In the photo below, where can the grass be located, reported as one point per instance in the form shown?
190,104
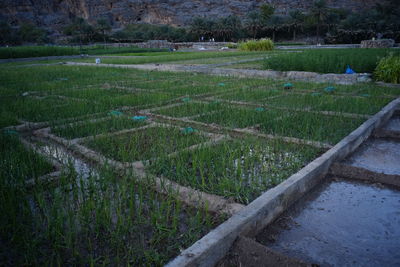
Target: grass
188,109
233,58
44,51
96,221
91,128
324,102
168,57
257,45
252,95
19,162
36,51
144,144
388,69
329,60
304,125
253,65
232,116
240,169
309,126
101,50
113,219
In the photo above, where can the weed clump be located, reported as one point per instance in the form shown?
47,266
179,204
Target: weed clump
257,45
388,69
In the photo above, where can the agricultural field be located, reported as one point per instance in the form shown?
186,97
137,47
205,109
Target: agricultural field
143,155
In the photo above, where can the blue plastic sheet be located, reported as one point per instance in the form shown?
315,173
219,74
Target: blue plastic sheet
139,118
349,70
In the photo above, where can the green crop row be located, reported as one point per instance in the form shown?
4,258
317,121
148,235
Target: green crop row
329,60
98,220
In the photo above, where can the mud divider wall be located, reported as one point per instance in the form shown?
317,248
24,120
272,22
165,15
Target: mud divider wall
258,214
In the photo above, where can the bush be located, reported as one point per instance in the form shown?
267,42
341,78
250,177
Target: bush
254,45
388,69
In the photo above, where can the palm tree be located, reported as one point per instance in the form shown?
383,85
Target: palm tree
296,21
227,28
253,23
319,12
202,27
103,26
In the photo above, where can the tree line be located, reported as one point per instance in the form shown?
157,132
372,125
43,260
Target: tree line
320,23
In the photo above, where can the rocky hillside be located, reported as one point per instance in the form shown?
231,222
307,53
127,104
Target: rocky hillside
55,14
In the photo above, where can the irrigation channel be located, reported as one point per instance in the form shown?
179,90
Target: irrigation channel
352,218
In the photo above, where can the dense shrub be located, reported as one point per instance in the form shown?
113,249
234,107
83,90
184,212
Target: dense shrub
257,45
388,69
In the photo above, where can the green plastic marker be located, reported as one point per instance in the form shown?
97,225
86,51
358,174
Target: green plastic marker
288,86
188,130
10,132
329,89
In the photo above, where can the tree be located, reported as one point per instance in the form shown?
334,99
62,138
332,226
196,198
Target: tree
81,29
275,23
254,23
6,33
266,11
103,26
319,12
296,21
228,28
202,27
31,33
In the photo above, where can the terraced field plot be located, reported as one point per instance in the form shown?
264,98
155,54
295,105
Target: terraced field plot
151,136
